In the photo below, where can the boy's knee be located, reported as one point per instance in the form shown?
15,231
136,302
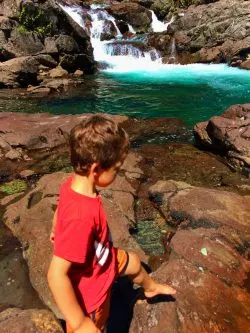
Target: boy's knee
134,263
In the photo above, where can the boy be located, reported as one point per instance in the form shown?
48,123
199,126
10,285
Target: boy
85,263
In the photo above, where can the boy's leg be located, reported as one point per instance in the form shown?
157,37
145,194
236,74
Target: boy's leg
138,275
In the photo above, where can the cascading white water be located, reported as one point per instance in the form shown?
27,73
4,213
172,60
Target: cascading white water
159,26
119,54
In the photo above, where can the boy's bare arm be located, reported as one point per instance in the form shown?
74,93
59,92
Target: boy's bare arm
52,233
65,297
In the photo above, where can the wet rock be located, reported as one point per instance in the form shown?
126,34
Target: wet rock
228,134
72,62
122,26
156,131
161,41
245,64
139,17
39,91
59,84
28,321
161,8
18,72
109,31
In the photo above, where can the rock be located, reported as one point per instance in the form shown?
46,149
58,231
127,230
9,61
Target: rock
59,84
39,91
18,72
77,61
13,155
66,44
109,31
229,135
161,42
6,24
10,8
46,60
161,8
22,44
46,133
58,72
139,17
213,54
35,233
26,173
245,64
78,73
122,26
221,26
208,264
50,45
28,321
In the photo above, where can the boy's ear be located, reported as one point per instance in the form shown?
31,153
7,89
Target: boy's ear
95,169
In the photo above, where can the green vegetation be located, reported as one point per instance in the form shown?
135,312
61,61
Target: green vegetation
34,19
15,186
185,3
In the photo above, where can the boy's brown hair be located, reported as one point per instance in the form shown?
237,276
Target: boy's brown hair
97,139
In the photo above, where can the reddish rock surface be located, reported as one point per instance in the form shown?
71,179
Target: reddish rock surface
208,263
229,135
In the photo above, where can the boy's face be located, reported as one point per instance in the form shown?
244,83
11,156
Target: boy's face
106,177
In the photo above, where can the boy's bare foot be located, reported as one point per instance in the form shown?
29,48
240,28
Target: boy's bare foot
159,289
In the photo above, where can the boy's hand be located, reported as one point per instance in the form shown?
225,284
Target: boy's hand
87,326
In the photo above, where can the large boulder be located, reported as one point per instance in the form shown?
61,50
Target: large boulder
30,221
229,135
139,17
22,44
214,25
18,72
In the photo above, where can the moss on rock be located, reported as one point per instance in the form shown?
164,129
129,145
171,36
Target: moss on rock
15,186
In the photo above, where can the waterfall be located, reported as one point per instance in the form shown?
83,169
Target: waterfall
172,57
115,52
76,13
131,29
158,26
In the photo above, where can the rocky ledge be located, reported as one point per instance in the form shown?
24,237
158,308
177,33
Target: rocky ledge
228,135
182,210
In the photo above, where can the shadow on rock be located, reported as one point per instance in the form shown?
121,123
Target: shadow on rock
123,299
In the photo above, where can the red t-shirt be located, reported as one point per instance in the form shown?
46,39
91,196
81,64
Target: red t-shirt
82,237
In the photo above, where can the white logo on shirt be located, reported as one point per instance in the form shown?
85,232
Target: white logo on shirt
101,252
